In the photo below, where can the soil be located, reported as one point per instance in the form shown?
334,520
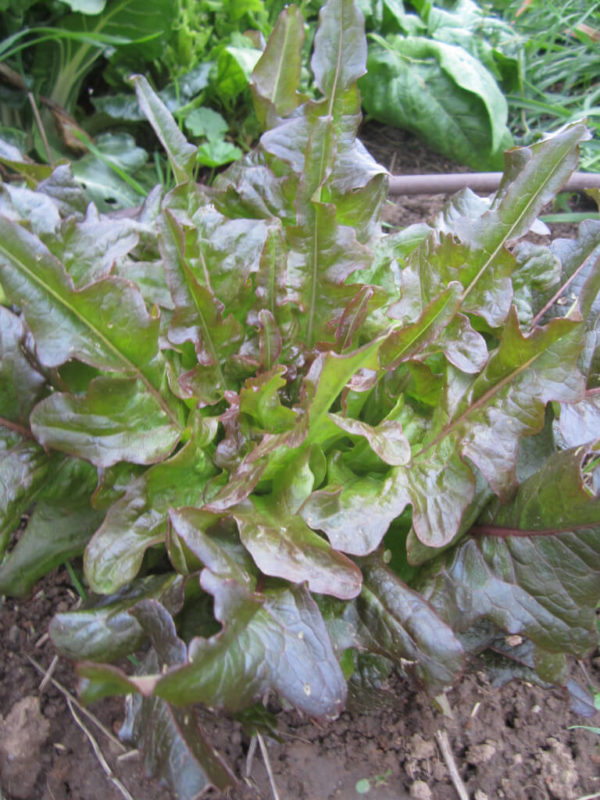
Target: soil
512,742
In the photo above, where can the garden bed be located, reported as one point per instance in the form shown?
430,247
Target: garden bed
512,742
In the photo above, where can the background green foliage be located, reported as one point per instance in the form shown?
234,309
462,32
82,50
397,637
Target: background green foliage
560,79
467,78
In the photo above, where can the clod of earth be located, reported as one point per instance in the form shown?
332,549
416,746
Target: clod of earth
22,735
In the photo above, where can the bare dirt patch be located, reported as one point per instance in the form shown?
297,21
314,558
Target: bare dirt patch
512,742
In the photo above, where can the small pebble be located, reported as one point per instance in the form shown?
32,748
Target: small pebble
481,753
514,640
420,791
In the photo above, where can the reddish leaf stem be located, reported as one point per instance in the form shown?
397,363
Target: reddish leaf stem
13,426
505,533
563,288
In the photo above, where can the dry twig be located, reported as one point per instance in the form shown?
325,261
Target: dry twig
250,756
68,696
48,674
446,751
265,755
99,755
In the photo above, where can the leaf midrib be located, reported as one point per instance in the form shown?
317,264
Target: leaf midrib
282,55
191,283
479,403
516,222
338,68
61,301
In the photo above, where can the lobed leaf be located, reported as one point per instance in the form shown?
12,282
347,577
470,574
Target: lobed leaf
90,248
68,196
175,746
212,544
355,516
322,253
21,204
21,384
59,527
522,376
503,404
408,341
105,324
260,400
198,313
360,385
116,420
104,630
276,640
139,519
532,176
24,468
538,270
340,51
282,545
470,244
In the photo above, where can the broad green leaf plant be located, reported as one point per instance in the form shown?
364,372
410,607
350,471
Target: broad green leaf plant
74,60
442,71
285,442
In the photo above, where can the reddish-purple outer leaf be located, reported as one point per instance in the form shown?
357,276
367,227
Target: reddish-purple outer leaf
340,54
105,324
503,572
396,622
276,640
182,155
138,519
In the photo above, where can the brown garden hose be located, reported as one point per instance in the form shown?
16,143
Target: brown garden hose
448,183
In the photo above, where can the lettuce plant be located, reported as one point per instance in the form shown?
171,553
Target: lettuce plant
294,450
